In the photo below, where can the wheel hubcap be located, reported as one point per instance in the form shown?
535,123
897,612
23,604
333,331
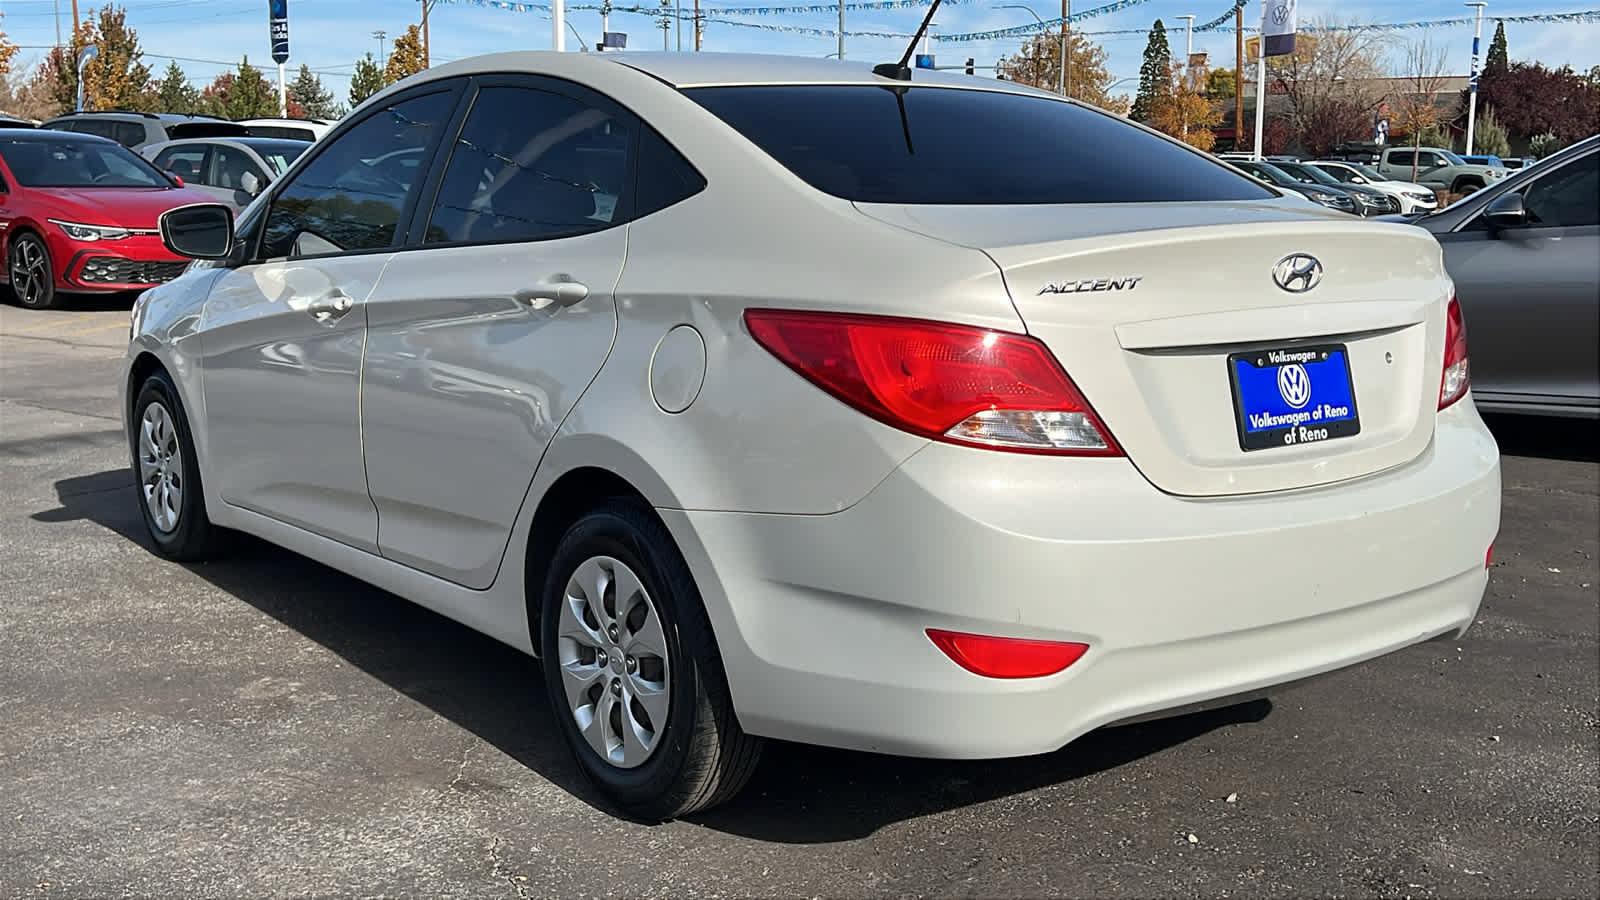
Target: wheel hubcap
612,651
160,467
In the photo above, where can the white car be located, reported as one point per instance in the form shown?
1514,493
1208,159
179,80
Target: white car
1413,197
288,129
759,400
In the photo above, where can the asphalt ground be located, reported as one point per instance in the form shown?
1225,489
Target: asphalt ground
264,726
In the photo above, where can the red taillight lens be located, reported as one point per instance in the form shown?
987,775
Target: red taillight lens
1488,557
951,382
1457,377
998,657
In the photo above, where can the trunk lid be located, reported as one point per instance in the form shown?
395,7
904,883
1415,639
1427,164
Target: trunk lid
1146,305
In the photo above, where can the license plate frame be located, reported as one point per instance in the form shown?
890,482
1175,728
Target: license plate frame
1308,423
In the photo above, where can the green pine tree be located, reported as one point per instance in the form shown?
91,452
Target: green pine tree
366,81
1155,74
307,90
250,95
1497,61
174,93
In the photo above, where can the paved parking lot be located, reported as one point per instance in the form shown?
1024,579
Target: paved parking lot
265,726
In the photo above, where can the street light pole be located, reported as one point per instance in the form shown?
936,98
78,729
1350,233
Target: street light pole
841,29
1029,10
1188,53
1472,102
1066,73
383,59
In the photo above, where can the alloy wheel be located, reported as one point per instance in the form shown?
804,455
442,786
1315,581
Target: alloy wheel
30,271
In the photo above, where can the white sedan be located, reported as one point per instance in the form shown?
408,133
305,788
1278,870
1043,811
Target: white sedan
758,397
1413,197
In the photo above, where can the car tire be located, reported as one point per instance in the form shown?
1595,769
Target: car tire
166,474
624,640
33,279
1466,186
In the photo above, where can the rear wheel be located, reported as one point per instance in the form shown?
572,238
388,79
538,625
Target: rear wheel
633,672
1467,185
33,279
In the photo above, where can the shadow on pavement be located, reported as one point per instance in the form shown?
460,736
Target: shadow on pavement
800,794
1577,440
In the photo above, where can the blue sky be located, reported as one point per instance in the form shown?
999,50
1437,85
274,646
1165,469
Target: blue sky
210,35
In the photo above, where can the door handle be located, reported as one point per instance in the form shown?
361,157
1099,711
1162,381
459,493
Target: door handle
559,290
331,307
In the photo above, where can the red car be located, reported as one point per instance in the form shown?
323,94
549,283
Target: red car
78,215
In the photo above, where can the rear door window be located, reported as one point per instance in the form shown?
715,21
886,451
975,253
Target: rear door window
128,134
187,162
934,145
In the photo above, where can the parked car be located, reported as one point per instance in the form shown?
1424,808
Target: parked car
1369,201
289,129
232,170
1525,256
135,129
1438,168
1323,195
9,122
79,216
753,425
1412,197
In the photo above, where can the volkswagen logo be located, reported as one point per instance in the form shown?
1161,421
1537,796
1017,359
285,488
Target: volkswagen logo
1297,273
1294,385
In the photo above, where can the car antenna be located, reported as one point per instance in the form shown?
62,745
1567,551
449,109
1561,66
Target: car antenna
899,71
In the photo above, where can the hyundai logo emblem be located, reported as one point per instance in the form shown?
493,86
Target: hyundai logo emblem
1297,273
1294,385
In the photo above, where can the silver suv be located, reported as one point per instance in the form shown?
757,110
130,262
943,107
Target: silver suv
136,129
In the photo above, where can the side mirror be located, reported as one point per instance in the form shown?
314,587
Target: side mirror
251,183
1506,211
175,179
198,231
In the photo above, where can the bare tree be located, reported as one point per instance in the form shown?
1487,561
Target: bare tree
1425,73
1343,67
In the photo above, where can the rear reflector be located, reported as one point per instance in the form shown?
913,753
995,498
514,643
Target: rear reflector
1457,375
948,382
998,657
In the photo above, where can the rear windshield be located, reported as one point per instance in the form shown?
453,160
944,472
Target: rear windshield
929,145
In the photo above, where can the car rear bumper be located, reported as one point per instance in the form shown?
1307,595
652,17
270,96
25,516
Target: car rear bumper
821,619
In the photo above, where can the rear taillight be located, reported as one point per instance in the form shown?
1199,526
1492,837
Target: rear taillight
1000,657
948,382
1453,384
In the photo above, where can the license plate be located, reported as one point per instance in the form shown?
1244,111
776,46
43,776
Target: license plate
1297,395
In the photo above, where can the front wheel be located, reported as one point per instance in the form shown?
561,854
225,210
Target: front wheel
168,474
33,279
633,672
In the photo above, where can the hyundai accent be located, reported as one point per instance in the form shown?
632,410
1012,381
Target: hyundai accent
765,397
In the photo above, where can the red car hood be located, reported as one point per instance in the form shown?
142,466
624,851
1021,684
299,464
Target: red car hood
127,207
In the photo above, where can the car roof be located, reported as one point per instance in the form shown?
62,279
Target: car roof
685,70
242,140
125,114
51,134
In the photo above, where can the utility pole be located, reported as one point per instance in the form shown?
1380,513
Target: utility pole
1066,49
383,58
427,55
841,28
558,23
1238,77
1188,51
74,18
1472,82
698,26
677,22
58,23
1261,78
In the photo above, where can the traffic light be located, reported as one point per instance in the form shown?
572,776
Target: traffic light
969,65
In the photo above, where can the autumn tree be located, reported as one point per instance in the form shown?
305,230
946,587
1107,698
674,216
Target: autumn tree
1333,123
307,90
1423,71
1530,99
1488,137
174,94
117,77
1155,73
365,81
1038,64
1334,63
8,51
1183,111
406,57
